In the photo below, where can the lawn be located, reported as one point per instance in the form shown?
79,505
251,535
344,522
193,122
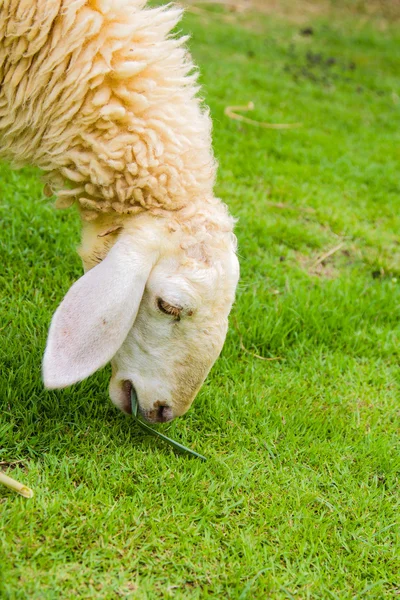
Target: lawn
299,418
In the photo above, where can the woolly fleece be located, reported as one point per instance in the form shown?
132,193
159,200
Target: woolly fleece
102,97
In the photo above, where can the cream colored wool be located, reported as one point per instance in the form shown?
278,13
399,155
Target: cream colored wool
99,95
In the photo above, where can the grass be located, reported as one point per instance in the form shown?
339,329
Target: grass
300,495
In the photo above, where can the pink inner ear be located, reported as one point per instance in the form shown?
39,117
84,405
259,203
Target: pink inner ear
96,315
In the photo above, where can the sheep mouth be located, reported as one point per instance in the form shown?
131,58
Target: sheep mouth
161,413
127,390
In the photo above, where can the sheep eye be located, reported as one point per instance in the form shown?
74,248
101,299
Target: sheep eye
168,309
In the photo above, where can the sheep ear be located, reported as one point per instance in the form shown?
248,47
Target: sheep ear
96,315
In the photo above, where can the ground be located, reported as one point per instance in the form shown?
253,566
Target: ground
299,418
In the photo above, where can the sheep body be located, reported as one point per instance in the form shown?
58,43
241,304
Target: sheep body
102,97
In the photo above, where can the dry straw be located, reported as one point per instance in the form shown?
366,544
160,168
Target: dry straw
14,485
231,112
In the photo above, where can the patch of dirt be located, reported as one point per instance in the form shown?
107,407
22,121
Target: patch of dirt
319,68
323,270
324,266
12,464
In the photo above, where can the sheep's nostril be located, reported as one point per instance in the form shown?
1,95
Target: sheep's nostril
164,414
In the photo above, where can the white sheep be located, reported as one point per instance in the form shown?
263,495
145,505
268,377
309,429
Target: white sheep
101,97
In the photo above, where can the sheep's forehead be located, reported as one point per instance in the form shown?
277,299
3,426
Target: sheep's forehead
195,285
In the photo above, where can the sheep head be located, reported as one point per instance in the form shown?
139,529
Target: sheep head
156,305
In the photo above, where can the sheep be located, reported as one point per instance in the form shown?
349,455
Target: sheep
102,97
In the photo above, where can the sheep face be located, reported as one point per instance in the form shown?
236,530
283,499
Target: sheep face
177,335
156,306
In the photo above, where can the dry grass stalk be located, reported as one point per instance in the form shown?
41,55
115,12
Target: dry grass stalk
253,354
14,485
326,255
230,112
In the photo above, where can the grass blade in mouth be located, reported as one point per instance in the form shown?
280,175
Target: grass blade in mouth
149,429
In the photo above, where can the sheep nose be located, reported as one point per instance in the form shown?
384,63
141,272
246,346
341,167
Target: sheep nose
159,414
164,414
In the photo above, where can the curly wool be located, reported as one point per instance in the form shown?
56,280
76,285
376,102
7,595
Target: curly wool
102,97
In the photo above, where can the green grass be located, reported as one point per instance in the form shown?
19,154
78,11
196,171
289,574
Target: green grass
300,495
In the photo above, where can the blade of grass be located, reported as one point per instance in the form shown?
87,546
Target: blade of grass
149,429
